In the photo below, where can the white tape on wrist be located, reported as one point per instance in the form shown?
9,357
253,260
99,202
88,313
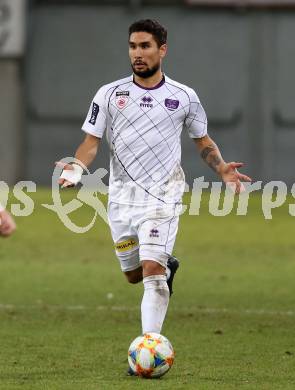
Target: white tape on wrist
72,175
1,208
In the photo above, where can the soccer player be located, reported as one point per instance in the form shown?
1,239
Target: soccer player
7,224
143,116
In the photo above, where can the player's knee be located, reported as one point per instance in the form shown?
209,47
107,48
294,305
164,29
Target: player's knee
151,267
134,276
132,279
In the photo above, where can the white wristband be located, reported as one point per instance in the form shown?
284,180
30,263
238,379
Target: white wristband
72,175
1,208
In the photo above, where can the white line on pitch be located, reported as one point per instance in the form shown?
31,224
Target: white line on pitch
192,309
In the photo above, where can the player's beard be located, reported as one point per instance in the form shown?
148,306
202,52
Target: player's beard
145,74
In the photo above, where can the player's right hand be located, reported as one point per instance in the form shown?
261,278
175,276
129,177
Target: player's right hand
71,174
7,224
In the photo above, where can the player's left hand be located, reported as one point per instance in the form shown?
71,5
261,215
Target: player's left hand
232,177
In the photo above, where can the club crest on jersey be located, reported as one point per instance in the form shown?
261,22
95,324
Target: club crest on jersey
122,98
94,113
146,102
171,104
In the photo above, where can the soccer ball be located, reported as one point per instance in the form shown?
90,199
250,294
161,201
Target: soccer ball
150,355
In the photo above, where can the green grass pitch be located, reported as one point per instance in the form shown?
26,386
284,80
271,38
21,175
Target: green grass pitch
67,315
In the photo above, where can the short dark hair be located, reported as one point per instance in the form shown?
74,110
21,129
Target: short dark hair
152,27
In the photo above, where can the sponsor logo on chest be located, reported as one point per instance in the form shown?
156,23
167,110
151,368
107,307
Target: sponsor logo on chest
146,102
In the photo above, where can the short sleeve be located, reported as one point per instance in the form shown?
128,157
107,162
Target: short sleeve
96,119
196,120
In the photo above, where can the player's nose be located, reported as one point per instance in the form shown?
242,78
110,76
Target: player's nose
138,53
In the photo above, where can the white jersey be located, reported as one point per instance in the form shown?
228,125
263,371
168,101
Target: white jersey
143,128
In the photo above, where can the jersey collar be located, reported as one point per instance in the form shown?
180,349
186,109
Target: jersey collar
149,89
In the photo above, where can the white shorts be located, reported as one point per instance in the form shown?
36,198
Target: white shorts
143,233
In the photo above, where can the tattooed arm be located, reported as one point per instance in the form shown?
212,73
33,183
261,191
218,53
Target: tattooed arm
210,153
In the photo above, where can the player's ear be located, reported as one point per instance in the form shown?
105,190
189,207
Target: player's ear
163,50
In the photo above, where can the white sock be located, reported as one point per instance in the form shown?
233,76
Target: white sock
154,303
